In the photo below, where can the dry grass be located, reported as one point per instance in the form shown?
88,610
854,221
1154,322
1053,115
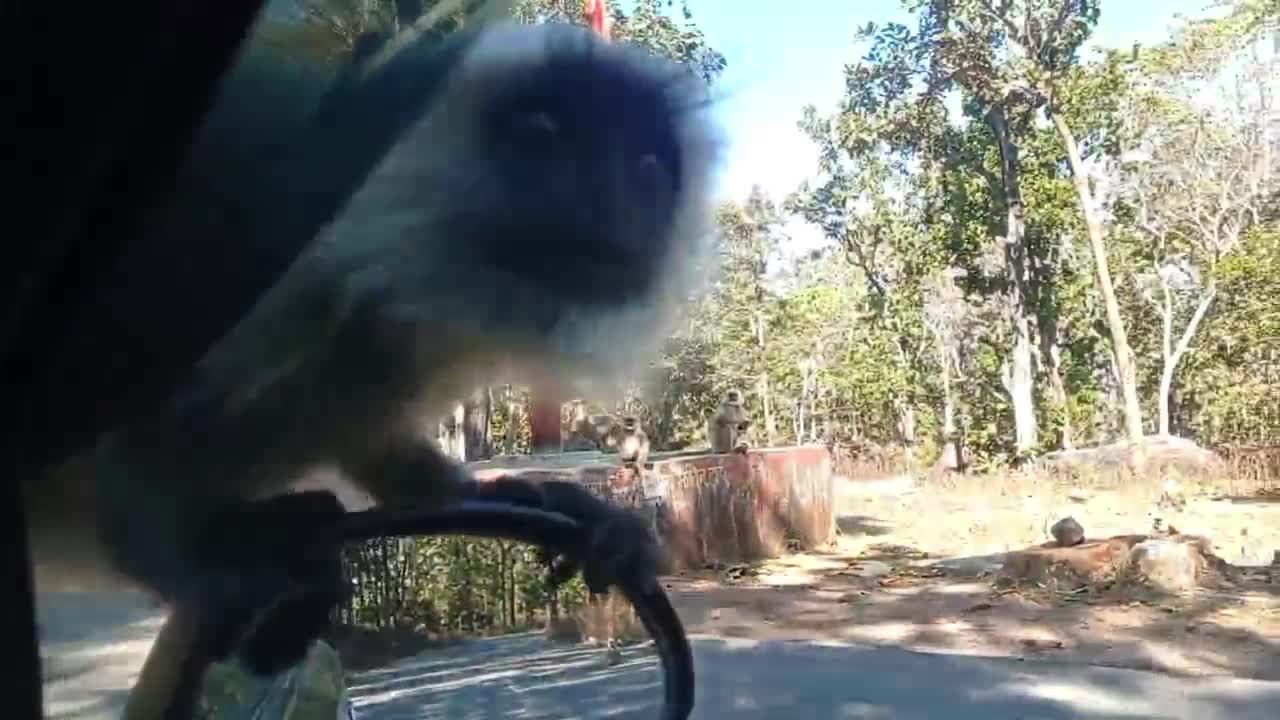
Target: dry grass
611,618
362,648
983,514
919,565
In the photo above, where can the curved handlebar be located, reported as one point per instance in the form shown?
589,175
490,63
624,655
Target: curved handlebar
170,678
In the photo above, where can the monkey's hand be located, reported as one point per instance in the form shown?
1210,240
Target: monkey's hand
618,544
280,576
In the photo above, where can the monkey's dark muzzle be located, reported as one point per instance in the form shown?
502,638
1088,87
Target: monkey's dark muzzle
506,518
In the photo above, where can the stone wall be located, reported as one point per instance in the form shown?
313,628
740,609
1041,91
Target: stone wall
708,508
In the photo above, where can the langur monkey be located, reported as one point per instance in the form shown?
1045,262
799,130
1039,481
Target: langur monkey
579,434
590,432
727,429
633,444
483,246
605,427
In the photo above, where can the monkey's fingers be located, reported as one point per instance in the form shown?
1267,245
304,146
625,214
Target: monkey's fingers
271,572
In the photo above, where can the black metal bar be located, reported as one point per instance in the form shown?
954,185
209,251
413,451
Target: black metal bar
493,519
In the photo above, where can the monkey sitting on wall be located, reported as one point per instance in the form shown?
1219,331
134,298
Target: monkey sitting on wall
589,432
727,428
578,432
480,247
605,430
633,444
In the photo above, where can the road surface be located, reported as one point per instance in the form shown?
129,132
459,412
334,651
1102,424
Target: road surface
94,645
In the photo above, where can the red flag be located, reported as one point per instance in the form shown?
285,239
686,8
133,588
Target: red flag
599,21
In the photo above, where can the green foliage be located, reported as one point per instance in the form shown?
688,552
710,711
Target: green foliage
844,341
451,585
671,34
1232,387
328,30
906,188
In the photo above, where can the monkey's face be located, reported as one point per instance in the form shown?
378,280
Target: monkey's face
554,202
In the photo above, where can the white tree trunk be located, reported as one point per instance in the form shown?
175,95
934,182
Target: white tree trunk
1020,376
766,401
1126,372
1022,381
1173,354
459,434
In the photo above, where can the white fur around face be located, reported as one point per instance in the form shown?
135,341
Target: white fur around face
607,347
364,245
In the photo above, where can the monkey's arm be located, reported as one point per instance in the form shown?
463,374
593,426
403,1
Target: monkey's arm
621,544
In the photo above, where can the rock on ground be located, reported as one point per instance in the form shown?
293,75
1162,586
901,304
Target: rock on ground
1067,532
1166,564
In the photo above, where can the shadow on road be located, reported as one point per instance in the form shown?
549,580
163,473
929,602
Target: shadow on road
862,525
91,647
520,677
96,703
78,617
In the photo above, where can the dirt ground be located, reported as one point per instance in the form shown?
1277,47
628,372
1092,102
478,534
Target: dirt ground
919,567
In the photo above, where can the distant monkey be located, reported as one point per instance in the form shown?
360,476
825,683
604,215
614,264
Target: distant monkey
580,434
633,443
606,429
590,432
726,430
604,425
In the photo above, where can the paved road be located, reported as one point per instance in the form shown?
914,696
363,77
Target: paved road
94,646
518,678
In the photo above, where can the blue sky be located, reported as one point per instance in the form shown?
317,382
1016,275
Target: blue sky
783,56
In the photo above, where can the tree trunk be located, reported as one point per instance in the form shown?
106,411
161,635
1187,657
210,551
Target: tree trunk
950,438
1050,349
948,397
766,404
1020,383
906,422
1126,371
457,434
949,401
544,418
513,421
451,435
800,404
1020,369
1173,354
477,442
1061,397
766,408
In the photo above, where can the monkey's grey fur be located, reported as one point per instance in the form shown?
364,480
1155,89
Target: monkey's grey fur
726,430
485,244
633,443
